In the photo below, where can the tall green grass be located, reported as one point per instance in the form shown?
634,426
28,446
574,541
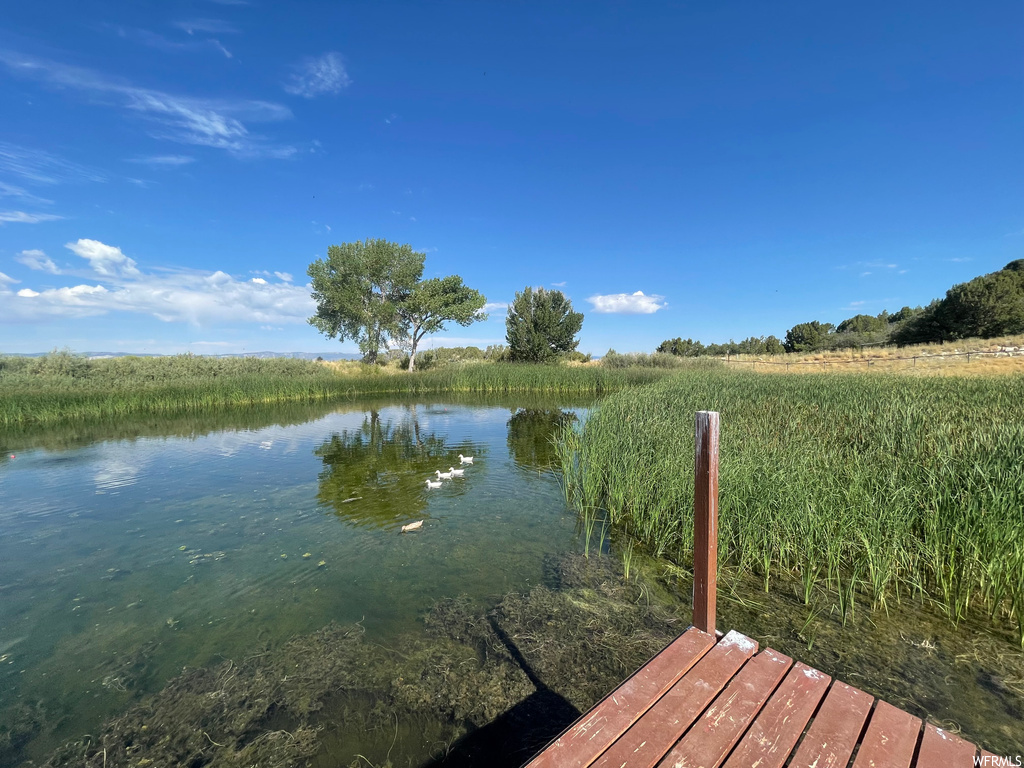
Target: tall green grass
884,486
63,387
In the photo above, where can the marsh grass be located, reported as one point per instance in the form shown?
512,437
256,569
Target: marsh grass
883,486
64,387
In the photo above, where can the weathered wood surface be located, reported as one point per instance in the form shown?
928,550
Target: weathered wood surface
720,727
769,741
643,745
731,707
830,740
939,747
593,733
705,522
890,739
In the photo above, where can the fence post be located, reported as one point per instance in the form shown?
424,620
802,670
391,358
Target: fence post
705,522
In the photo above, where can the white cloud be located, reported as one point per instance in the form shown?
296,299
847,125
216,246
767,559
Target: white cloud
283,276
164,160
38,260
493,305
637,303
197,297
106,260
317,76
258,281
214,123
7,279
559,285
21,217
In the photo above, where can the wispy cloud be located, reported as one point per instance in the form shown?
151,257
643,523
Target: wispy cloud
960,259
637,303
42,167
38,260
163,160
204,122
493,305
10,190
192,296
319,75
7,279
208,26
560,285
21,217
161,43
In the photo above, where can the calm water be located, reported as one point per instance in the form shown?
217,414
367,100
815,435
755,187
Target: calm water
130,551
123,560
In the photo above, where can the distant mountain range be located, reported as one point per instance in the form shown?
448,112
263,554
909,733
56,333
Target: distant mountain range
295,355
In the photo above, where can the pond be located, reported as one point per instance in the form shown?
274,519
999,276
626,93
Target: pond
124,560
236,589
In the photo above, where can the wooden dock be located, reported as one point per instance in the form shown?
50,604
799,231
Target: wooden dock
702,704
705,702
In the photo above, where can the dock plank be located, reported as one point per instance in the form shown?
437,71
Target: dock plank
716,732
643,745
601,726
890,739
777,728
833,735
942,748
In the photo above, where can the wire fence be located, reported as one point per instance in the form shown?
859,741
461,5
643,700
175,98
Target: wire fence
1003,352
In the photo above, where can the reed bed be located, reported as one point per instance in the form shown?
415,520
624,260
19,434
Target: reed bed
876,485
63,387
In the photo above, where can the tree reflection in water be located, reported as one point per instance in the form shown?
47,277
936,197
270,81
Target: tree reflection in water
531,434
374,476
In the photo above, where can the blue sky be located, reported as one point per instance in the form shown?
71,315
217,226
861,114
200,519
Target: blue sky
169,170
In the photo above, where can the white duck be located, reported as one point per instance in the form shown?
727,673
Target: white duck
443,475
456,472
465,459
432,484
412,526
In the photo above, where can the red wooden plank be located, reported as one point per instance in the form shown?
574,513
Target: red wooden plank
589,736
720,727
705,521
942,748
643,745
777,728
833,734
890,740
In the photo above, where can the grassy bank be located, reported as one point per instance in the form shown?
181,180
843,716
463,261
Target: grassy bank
62,387
880,485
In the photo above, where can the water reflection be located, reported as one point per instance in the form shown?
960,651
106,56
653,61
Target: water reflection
531,433
375,476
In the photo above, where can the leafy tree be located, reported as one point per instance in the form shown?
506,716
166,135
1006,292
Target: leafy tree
808,337
359,288
434,302
540,325
987,306
681,347
862,324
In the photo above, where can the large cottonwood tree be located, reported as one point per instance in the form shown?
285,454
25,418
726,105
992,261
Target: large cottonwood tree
359,289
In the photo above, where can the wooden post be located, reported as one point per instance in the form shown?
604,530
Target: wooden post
705,522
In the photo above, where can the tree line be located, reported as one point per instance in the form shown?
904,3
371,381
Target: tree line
987,306
373,292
